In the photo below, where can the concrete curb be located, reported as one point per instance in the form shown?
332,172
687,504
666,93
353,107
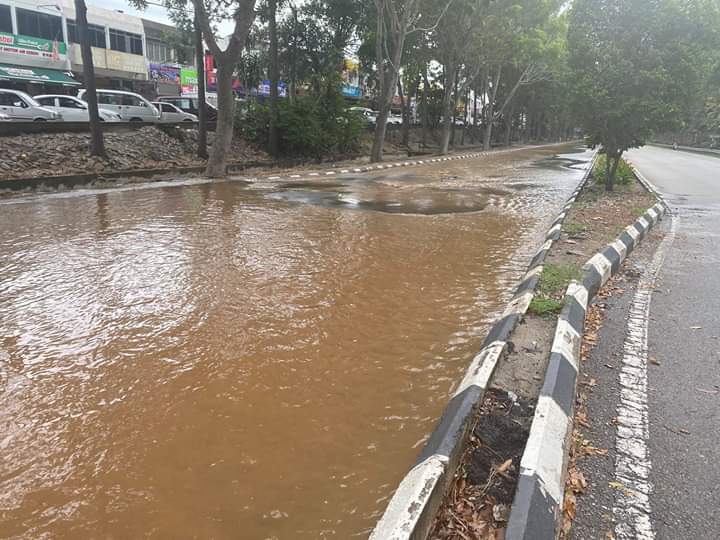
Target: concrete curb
538,502
411,511
71,180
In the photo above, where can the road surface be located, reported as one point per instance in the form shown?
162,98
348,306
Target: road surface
670,450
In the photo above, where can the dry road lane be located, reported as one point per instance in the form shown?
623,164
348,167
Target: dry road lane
657,367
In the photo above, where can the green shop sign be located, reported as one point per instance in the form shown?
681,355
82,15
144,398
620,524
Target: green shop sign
188,76
31,46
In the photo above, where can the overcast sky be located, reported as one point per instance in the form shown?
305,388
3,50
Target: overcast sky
154,13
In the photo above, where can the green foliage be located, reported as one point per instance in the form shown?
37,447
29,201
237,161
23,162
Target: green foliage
623,175
574,228
556,277
545,306
307,127
637,65
554,280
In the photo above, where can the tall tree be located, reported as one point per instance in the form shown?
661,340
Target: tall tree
202,107
242,13
636,66
395,20
97,142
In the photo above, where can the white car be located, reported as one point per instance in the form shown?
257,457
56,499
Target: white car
130,106
368,115
394,119
170,114
74,109
20,107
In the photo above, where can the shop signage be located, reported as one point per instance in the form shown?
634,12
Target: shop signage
25,50
165,73
264,89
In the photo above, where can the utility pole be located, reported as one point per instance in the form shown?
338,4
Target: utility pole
202,108
97,143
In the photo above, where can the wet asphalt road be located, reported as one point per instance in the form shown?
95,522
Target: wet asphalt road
684,337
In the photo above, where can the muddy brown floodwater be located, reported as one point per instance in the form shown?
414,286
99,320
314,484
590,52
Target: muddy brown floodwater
247,360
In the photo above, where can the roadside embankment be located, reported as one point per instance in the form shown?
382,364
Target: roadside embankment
40,155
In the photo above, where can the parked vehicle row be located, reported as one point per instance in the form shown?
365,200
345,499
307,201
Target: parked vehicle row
113,106
370,116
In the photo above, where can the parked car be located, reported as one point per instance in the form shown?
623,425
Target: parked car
189,104
74,109
20,107
394,120
130,106
368,115
170,114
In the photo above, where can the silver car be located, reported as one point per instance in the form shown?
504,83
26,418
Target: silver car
20,107
74,109
130,106
170,114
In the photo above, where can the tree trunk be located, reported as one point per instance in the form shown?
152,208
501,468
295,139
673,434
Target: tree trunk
405,127
508,126
273,143
426,88
381,126
490,113
202,108
97,142
450,75
611,171
465,111
217,166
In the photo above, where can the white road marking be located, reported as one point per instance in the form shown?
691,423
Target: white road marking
632,462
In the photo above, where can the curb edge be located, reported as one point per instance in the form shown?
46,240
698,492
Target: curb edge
410,513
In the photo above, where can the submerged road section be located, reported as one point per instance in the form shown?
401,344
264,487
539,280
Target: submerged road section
256,360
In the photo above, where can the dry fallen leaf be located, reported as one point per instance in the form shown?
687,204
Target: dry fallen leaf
504,467
616,485
500,512
696,328
654,360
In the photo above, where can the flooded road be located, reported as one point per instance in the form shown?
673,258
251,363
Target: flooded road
248,360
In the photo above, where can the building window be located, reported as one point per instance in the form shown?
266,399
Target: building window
5,20
40,25
157,51
95,33
125,42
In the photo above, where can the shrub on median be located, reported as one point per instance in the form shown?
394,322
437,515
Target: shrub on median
623,176
309,127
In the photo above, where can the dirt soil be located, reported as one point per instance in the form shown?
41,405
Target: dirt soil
479,502
480,496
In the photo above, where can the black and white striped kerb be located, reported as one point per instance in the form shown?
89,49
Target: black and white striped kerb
411,511
537,506
410,163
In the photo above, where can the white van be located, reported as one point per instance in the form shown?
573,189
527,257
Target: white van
73,109
20,107
130,106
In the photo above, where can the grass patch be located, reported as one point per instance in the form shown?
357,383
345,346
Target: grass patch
545,306
556,277
637,211
574,228
554,280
